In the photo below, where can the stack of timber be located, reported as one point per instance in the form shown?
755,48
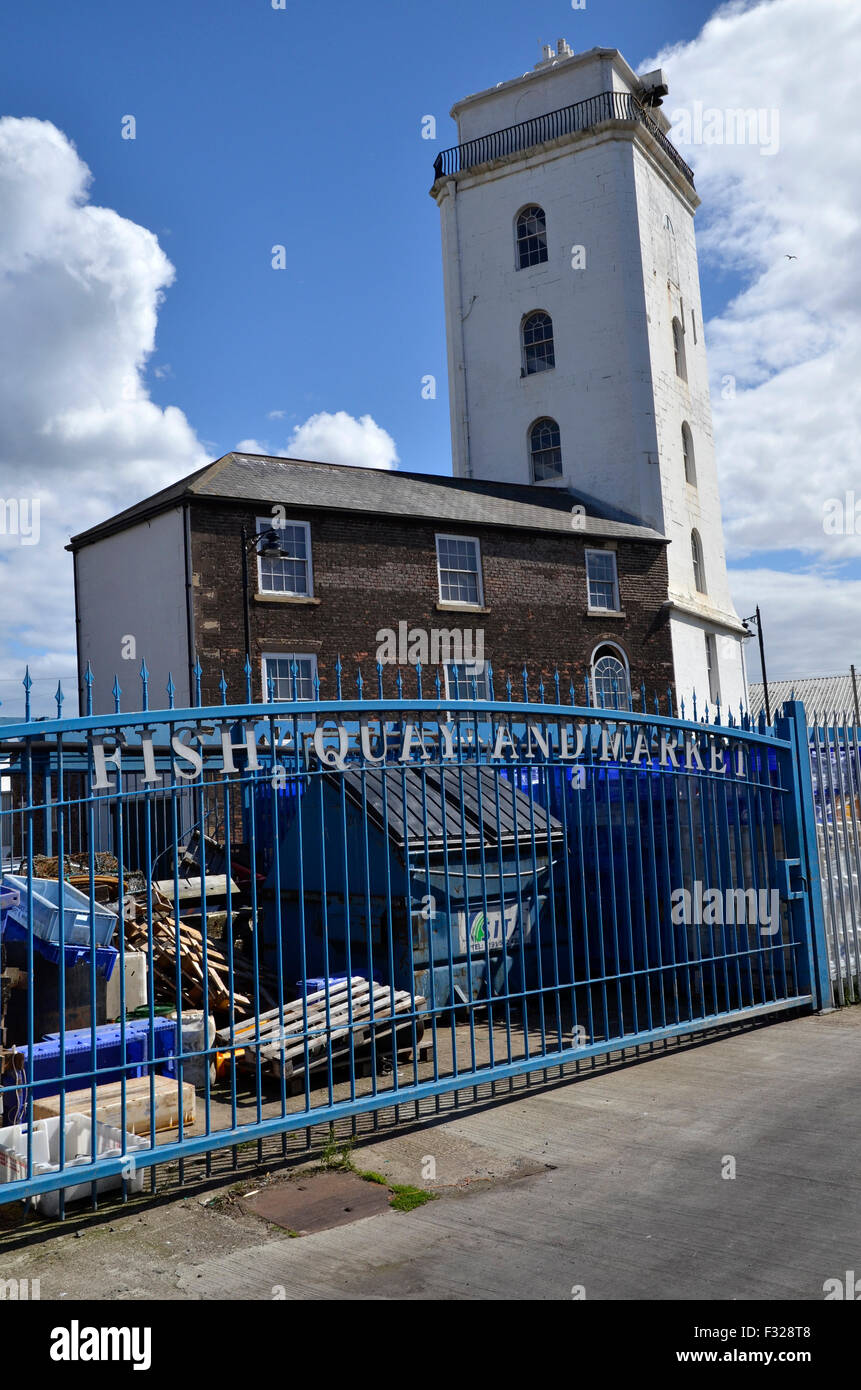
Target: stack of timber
284,1048
167,933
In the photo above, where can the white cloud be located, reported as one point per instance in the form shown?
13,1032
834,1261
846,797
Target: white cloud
333,438
80,288
341,438
788,441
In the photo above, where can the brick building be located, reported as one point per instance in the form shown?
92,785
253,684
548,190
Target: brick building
450,570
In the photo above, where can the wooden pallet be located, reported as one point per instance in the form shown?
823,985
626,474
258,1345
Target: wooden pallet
284,1048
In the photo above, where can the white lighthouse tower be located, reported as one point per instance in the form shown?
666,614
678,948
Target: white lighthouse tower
575,341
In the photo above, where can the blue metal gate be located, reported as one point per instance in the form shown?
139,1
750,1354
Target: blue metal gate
354,903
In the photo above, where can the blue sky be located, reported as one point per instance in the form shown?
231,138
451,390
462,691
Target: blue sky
144,338
300,127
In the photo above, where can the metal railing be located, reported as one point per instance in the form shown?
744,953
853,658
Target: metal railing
835,756
568,120
406,896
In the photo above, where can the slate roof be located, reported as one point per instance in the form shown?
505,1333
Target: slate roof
338,487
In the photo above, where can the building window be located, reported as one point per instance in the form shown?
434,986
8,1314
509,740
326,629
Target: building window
712,668
688,454
531,237
472,681
602,580
289,571
611,687
545,450
537,335
679,349
672,252
697,558
277,667
459,567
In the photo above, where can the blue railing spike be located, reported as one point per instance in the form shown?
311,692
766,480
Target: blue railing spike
490,680
144,675
59,697
508,688
572,692
88,682
556,685
27,683
541,690
222,685
455,682
525,675
338,671
399,684
380,679
316,686
438,684
360,684
171,690
198,673
418,680
117,692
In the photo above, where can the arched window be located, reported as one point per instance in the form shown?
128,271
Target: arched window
672,252
537,336
545,450
697,558
611,686
679,350
688,454
531,237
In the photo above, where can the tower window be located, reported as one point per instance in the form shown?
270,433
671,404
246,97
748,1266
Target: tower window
545,450
697,558
712,668
688,454
672,252
537,334
611,688
602,580
679,350
531,237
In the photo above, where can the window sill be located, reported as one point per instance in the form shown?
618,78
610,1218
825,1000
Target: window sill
445,607
606,613
285,598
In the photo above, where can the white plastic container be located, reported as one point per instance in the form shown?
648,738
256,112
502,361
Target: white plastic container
136,986
45,896
194,1041
46,1156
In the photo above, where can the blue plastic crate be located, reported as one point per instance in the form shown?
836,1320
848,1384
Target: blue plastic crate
9,897
317,982
109,1039
44,894
106,956
79,1061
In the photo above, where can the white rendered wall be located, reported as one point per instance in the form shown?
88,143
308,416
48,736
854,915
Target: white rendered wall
614,390
133,585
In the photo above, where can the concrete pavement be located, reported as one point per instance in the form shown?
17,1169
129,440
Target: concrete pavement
617,1185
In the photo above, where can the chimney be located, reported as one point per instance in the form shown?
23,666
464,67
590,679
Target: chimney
563,50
